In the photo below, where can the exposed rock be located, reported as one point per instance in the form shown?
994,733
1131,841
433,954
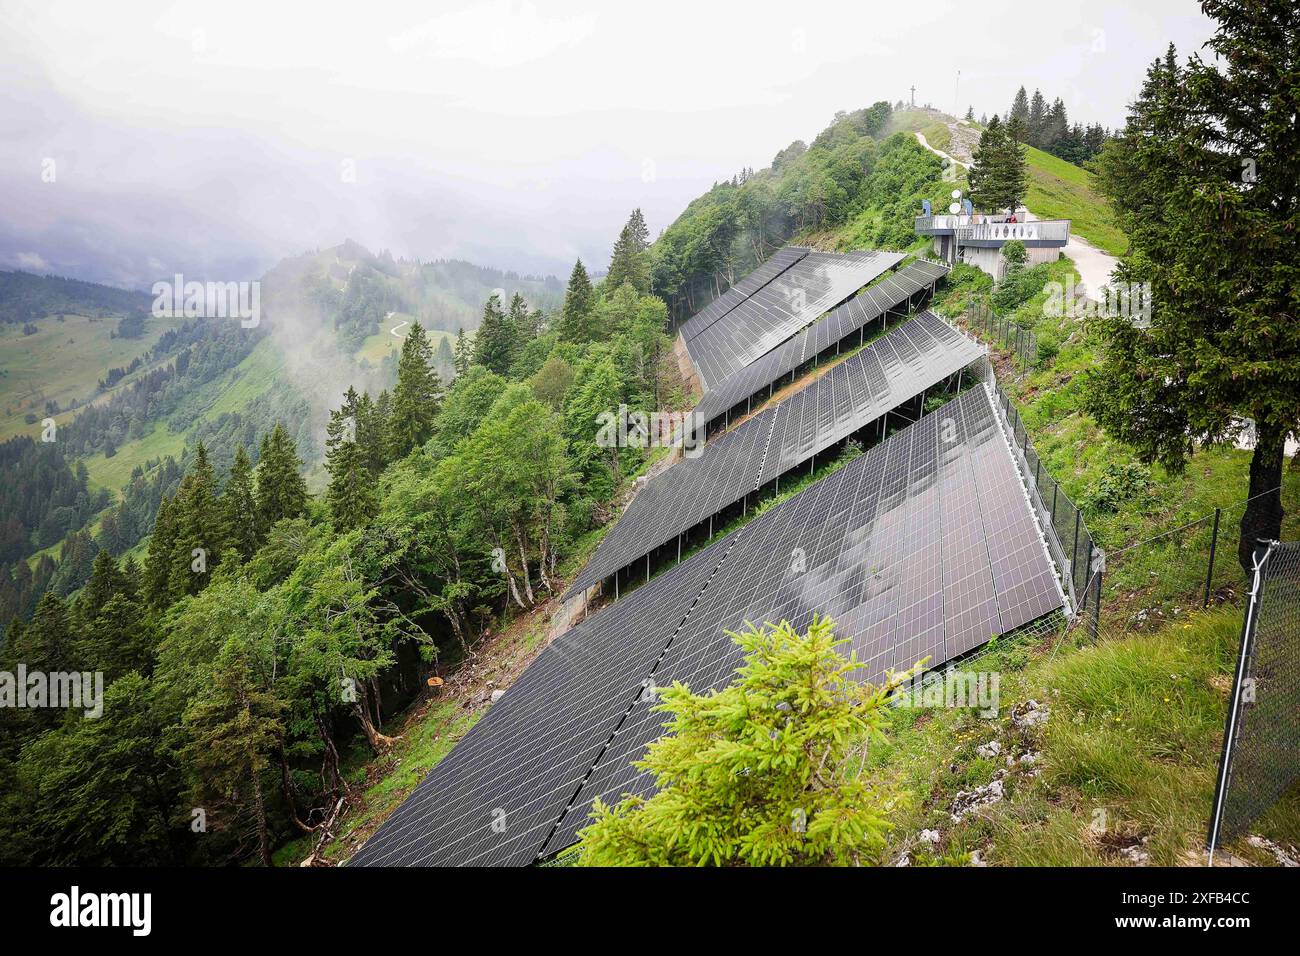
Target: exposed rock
1030,714
497,695
968,801
929,836
1280,853
990,749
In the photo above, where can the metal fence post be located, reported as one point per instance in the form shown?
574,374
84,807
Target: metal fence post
1209,573
1074,552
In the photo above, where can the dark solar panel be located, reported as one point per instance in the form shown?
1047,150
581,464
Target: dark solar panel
494,799
916,355
887,295
874,537
781,307
868,545
781,260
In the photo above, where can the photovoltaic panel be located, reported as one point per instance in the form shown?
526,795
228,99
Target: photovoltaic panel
781,260
861,546
494,799
916,355
875,301
781,307
872,537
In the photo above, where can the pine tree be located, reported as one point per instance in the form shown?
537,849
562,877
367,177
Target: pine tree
970,113
372,432
523,323
630,261
351,494
157,573
494,343
1019,107
417,396
1205,182
1037,119
986,188
106,580
233,729
198,523
575,324
239,507
462,353
281,490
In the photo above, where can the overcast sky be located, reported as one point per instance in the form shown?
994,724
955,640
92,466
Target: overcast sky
217,137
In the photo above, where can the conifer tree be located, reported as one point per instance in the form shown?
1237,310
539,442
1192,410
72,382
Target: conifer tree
233,729
417,396
575,323
157,573
239,507
630,261
198,527
351,494
281,490
106,580
1205,182
494,343
463,356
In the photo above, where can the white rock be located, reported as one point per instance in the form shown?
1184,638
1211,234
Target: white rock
929,836
990,749
497,695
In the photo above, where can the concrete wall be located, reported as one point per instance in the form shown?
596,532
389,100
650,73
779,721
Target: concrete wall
991,261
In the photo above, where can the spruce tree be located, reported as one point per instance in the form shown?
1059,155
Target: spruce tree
106,580
1205,182
575,323
281,490
494,343
239,507
630,261
351,494
1019,107
462,353
416,397
986,188
199,528
157,573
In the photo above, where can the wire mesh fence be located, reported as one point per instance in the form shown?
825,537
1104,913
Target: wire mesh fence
1261,741
1004,333
1072,545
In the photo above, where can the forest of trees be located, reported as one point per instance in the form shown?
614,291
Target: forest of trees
1046,126
268,634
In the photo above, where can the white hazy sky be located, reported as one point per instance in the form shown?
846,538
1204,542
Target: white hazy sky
214,137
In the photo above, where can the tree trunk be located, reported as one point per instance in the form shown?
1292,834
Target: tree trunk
376,740
523,562
329,769
259,809
1263,515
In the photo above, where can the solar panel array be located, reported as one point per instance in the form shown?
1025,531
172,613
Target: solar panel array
781,260
914,356
923,546
885,296
778,309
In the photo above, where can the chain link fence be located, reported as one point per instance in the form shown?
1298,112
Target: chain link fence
1072,546
1261,743
1004,334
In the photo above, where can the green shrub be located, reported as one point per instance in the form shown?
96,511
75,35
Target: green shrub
762,773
